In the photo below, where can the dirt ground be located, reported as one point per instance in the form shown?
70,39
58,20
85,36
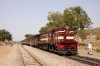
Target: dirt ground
5,49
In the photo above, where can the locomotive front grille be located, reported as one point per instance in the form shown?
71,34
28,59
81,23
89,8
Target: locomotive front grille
67,51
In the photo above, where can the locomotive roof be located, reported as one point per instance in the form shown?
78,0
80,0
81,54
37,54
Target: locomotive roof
61,27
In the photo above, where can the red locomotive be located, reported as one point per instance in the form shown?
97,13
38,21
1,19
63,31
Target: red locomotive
60,40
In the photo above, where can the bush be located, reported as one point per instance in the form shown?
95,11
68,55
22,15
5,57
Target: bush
97,50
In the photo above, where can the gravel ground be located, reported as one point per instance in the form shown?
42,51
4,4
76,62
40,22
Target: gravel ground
27,59
50,59
11,58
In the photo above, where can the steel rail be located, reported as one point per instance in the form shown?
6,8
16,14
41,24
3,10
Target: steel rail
32,56
84,59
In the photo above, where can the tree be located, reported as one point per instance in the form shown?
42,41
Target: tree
76,16
68,17
83,34
28,35
73,16
55,20
43,29
5,35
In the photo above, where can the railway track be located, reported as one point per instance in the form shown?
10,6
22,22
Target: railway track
27,58
86,60
82,59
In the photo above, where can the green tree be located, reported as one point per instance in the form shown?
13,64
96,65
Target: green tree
43,29
83,34
5,35
76,16
73,16
28,35
55,20
68,17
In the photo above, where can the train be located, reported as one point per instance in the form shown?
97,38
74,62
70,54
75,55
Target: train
60,40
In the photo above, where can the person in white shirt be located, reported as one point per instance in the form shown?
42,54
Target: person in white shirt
89,47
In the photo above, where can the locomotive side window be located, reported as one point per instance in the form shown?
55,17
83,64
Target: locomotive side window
53,32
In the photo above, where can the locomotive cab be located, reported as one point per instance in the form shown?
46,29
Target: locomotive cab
65,40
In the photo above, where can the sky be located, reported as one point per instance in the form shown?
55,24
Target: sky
21,17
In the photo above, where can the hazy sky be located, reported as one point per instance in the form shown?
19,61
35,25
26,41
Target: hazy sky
21,17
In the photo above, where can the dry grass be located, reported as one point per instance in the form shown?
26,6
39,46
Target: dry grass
96,45
1,43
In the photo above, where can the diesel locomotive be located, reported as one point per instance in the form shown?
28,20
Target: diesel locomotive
60,40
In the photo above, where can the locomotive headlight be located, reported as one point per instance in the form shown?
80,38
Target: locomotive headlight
69,37
67,27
